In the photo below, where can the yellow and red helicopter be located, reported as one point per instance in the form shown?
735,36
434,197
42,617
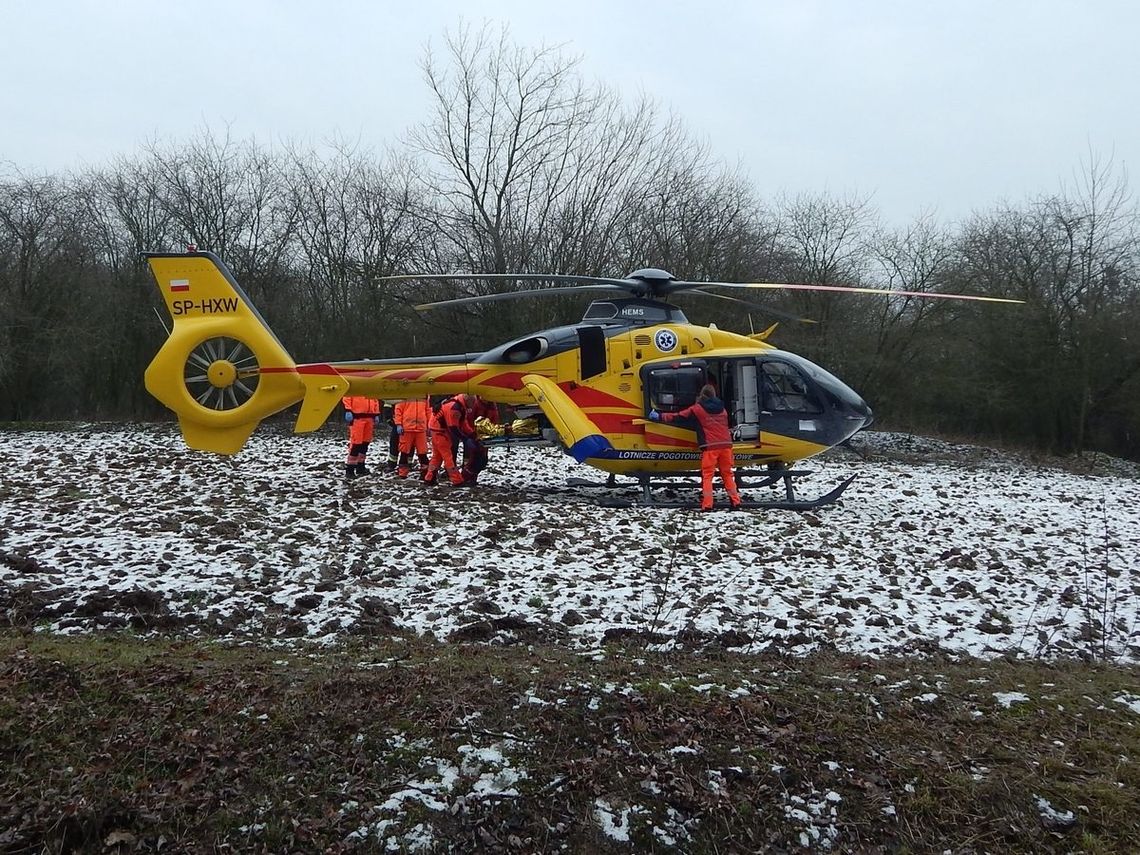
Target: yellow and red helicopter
591,385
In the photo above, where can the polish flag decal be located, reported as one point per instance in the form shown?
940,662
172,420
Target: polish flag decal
177,285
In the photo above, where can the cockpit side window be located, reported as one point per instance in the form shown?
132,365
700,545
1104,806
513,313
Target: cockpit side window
785,389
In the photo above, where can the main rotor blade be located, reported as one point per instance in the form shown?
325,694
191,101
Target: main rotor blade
840,289
625,284
511,295
762,307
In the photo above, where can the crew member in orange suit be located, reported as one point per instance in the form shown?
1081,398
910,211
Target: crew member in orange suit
442,452
454,431
483,410
411,418
708,417
361,414
474,451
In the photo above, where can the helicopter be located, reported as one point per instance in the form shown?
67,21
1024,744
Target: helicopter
591,385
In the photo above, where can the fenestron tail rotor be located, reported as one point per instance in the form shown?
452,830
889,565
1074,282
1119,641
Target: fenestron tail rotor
221,373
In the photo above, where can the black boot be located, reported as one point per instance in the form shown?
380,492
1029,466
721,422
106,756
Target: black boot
350,470
360,469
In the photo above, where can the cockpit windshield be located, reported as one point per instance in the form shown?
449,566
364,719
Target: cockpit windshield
634,312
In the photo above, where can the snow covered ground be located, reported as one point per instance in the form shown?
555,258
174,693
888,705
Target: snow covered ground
959,548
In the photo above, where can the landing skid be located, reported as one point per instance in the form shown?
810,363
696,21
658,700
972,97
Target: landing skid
586,482
788,503
767,477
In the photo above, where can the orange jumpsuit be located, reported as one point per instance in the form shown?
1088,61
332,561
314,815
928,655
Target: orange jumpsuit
709,419
442,447
411,420
360,413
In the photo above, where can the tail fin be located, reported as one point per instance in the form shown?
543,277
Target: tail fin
222,370
763,336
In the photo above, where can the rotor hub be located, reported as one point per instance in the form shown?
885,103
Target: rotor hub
222,373
651,274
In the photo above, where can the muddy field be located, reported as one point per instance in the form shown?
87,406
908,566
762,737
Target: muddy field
934,546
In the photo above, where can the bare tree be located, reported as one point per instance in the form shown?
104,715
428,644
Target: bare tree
824,241
358,219
503,118
917,257
229,197
1067,360
40,250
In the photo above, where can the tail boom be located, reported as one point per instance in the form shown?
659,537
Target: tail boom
222,370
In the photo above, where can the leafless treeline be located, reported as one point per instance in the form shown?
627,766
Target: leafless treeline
524,167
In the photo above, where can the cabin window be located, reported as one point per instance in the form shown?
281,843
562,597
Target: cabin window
786,389
673,389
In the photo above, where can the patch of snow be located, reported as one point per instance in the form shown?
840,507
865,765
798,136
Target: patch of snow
419,838
1130,701
614,824
1051,814
816,815
1008,699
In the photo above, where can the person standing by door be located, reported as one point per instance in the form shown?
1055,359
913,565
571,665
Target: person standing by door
710,420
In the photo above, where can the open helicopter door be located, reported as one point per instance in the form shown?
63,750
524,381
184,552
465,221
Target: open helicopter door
737,383
745,401
673,387
670,388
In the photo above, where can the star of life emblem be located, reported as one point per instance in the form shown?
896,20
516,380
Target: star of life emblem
665,340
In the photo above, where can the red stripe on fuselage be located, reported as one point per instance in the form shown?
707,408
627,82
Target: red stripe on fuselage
508,380
613,422
585,397
654,438
459,375
406,374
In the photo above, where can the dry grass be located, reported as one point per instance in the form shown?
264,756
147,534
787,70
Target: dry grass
127,744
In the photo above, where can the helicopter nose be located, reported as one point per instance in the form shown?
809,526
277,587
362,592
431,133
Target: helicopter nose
858,409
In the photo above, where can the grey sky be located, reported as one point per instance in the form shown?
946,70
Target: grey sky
950,106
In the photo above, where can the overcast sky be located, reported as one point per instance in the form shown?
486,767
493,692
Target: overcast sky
951,106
